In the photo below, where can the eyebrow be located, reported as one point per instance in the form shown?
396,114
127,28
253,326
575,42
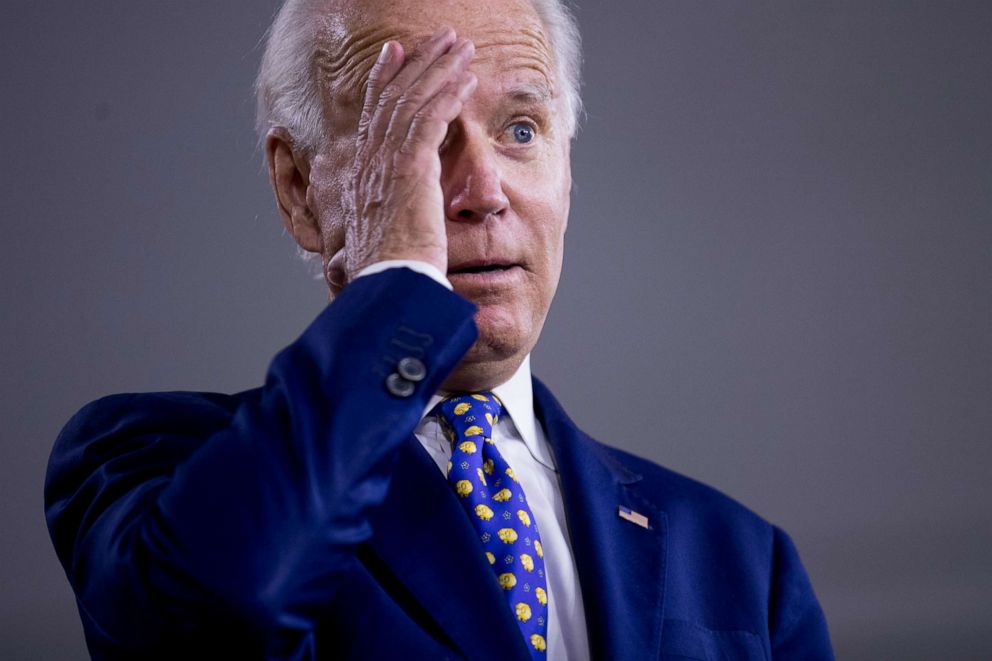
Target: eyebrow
533,93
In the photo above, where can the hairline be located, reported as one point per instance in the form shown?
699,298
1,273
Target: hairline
287,88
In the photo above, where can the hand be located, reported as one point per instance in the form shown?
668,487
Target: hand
397,205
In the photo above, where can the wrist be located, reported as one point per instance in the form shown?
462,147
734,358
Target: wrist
424,268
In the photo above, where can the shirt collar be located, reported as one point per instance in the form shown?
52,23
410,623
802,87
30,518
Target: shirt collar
517,395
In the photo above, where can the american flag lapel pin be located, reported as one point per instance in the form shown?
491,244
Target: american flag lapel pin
634,517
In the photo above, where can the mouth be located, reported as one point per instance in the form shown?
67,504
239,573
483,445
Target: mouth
480,268
483,272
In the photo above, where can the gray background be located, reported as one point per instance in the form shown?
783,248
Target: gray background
777,272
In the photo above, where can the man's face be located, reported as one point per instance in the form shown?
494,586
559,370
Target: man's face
505,162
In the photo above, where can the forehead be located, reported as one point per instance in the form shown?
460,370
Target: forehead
509,38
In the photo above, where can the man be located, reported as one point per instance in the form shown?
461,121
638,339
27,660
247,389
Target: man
400,487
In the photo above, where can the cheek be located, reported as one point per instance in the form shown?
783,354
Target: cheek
542,237
541,199
551,217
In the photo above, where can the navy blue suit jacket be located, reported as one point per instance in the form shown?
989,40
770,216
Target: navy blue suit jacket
272,524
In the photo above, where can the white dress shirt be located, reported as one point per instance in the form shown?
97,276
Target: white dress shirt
524,446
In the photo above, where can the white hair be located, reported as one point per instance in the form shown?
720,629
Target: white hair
288,95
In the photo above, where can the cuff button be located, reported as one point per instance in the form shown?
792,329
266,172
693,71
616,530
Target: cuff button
412,369
398,386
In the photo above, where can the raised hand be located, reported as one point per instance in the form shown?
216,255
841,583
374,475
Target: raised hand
394,194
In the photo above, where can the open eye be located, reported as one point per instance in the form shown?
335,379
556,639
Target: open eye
522,132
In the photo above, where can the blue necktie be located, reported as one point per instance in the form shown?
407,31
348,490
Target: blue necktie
496,505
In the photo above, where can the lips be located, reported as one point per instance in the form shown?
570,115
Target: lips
481,266
485,276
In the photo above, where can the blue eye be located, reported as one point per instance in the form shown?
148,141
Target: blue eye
522,133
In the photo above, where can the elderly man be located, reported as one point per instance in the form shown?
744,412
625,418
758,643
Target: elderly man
400,487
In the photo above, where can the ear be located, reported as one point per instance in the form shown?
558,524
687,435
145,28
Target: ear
289,174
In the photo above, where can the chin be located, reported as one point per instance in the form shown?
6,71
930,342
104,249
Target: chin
502,344
502,334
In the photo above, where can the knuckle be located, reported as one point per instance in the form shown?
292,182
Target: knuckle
363,123
386,96
373,85
407,150
406,101
374,75
393,136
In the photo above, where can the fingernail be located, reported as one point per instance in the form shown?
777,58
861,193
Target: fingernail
384,53
440,33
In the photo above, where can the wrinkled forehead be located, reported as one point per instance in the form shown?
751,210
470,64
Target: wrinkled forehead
508,37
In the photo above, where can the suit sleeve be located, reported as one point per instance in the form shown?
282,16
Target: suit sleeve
181,524
798,628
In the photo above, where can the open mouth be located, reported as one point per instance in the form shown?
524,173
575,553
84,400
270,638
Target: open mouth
481,268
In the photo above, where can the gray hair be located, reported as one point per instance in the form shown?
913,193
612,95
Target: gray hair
287,92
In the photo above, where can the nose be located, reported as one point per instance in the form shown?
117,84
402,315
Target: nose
472,181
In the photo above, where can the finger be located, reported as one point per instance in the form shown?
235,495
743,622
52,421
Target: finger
442,78
422,57
429,126
386,66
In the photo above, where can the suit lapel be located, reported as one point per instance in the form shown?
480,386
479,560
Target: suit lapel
422,534
621,565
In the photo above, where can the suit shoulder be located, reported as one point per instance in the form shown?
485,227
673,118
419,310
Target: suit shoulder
109,425
126,424
173,409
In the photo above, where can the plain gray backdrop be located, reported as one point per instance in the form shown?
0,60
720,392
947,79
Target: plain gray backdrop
776,280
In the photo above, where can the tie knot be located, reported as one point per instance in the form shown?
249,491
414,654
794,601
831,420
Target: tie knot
470,414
